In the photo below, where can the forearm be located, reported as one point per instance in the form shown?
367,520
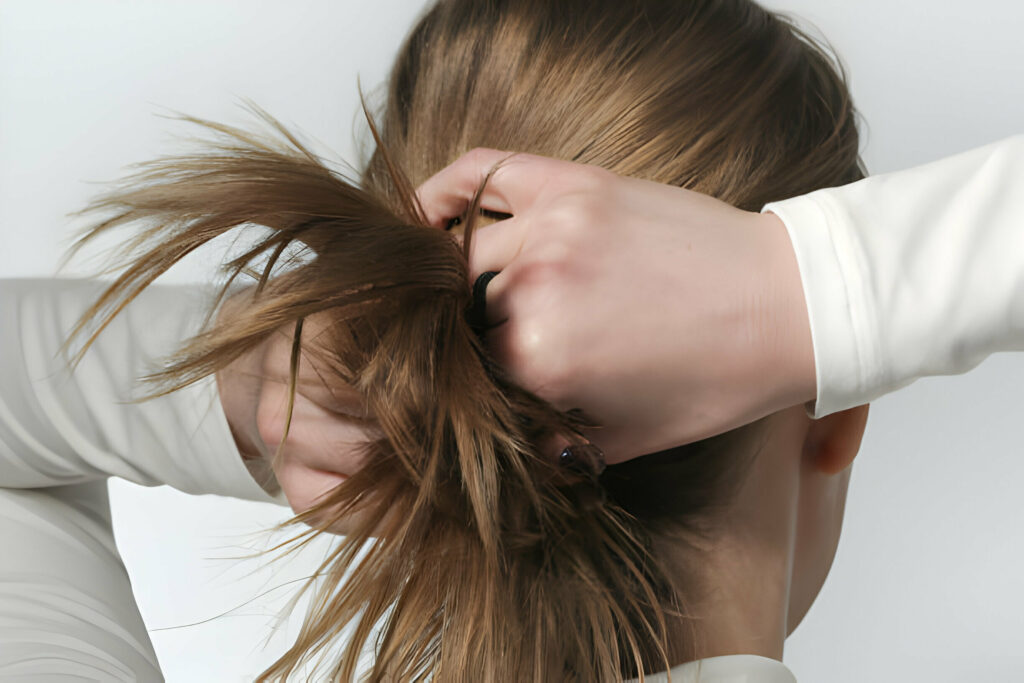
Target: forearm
58,427
238,387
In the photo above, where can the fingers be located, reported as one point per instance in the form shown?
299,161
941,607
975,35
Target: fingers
515,180
304,486
513,183
318,438
495,246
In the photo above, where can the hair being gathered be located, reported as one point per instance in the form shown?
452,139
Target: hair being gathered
473,557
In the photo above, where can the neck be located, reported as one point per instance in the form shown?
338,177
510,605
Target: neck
741,595
744,609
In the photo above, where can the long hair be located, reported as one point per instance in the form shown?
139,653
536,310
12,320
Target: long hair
469,555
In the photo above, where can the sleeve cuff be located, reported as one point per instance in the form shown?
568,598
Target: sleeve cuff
255,482
831,270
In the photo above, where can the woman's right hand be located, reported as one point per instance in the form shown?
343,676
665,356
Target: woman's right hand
328,428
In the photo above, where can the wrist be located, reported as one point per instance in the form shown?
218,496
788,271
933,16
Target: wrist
789,345
239,387
238,400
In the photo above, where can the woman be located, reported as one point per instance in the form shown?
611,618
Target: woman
847,440
488,560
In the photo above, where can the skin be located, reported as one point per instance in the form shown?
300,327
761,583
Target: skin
781,535
669,315
727,341
763,573
328,423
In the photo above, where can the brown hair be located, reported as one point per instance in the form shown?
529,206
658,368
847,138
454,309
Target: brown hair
483,561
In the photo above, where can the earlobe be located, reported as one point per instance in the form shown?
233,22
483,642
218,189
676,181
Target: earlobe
833,441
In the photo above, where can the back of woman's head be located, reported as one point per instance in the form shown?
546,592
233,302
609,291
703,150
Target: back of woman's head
719,96
470,555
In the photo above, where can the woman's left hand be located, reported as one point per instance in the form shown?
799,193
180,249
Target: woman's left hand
666,315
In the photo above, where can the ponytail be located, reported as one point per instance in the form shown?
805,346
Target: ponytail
469,555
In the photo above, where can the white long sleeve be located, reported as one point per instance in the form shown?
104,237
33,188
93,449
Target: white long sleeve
911,274
67,612
58,427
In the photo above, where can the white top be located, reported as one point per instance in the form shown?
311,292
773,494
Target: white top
911,274
728,669
905,275
66,604
60,428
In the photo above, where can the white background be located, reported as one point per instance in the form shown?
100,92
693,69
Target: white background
927,582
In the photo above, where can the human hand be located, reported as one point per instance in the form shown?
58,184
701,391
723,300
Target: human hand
329,423
666,315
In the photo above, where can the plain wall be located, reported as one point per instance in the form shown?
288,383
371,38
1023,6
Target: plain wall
926,583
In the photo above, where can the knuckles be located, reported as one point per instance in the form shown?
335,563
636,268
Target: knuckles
533,341
568,221
530,352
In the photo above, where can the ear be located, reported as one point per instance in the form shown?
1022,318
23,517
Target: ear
832,442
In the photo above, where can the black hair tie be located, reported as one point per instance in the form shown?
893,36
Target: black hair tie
586,459
476,316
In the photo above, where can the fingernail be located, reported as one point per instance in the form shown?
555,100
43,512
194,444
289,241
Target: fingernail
586,458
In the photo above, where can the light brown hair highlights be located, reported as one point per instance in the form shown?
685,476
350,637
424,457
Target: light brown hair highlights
482,560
